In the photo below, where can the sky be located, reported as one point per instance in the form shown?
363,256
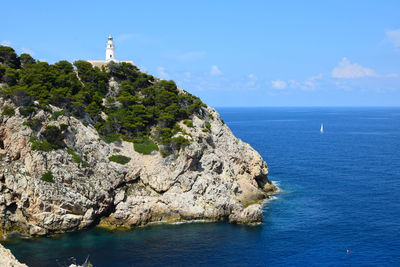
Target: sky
229,53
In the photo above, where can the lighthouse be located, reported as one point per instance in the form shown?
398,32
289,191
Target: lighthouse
110,56
110,50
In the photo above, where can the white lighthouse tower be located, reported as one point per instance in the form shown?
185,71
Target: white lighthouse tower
110,56
110,50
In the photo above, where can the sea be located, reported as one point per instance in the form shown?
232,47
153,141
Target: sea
338,204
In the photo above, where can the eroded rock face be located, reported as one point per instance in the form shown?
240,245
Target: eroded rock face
216,177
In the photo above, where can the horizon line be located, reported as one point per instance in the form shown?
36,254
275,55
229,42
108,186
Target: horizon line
305,106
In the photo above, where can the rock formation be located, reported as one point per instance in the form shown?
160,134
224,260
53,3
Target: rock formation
216,177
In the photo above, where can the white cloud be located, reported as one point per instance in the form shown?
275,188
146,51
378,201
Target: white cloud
6,43
279,84
215,71
311,83
252,80
347,70
162,73
393,36
27,51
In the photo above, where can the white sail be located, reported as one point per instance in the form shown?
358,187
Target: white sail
322,128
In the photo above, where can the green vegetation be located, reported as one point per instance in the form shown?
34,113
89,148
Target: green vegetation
53,139
145,147
210,116
26,111
111,138
54,136
40,145
119,159
8,57
56,114
188,123
8,111
179,142
34,124
143,107
208,126
63,127
47,177
77,158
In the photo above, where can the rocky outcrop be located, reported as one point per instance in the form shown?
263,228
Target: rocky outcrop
8,260
216,177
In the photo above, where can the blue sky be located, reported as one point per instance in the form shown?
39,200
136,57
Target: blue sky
229,53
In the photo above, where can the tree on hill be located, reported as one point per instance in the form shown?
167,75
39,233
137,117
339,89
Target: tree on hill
8,57
140,105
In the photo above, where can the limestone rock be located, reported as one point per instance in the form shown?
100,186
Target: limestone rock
216,177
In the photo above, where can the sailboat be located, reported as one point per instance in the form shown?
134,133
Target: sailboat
322,128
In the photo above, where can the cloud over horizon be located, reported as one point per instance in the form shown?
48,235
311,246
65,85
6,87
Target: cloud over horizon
348,70
279,84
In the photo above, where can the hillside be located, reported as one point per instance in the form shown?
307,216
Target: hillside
117,147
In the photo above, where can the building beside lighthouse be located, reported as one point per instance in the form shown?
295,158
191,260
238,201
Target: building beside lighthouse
110,55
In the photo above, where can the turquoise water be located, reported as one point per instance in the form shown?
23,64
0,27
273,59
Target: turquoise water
339,205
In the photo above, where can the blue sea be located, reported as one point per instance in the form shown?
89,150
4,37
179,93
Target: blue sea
339,203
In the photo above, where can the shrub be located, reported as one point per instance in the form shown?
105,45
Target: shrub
188,123
205,130
180,142
8,111
111,138
34,124
47,177
145,147
77,158
119,159
210,116
54,136
208,126
164,153
56,114
63,127
27,110
40,145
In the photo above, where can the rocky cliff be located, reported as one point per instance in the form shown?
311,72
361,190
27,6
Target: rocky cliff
215,177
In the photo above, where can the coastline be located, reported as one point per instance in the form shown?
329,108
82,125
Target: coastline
8,259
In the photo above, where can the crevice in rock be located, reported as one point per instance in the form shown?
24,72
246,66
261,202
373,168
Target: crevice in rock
112,207
261,180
